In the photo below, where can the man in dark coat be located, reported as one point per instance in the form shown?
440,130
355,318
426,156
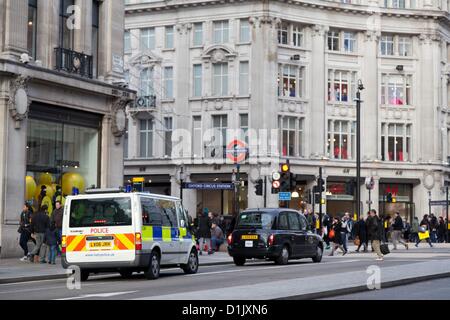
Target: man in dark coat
361,233
57,217
204,231
397,231
375,232
40,222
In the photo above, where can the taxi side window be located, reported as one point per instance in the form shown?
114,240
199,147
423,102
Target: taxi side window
283,221
151,213
294,222
303,223
168,213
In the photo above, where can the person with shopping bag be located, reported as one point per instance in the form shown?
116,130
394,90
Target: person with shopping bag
424,232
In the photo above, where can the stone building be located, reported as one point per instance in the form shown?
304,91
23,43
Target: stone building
62,105
291,67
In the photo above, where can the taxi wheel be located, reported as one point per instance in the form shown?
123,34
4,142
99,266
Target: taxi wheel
318,257
192,266
84,275
284,256
239,261
154,267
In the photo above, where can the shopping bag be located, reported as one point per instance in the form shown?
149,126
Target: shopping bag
357,242
384,248
424,235
331,234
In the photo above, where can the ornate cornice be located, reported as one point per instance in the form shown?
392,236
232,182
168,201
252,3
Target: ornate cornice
319,30
19,101
259,21
183,28
372,35
428,38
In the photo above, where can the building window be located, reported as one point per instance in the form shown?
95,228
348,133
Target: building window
341,139
297,35
395,90
197,72
404,46
283,35
221,30
244,30
243,125
220,126
395,142
220,79
291,136
291,82
146,85
32,28
147,38
168,127
333,41
168,82
197,136
198,34
344,41
146,138
169,37
66,34
95,34
127,42
398,4
341,86
349,42
387,45
243,78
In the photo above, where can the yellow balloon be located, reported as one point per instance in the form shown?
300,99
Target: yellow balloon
70,180
30,188
45,178
49,193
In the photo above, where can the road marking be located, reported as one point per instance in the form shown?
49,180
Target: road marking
99,295
267,268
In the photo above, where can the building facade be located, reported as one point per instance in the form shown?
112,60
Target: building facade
286,74
62,110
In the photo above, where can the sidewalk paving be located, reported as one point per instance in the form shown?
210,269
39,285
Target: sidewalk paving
14,270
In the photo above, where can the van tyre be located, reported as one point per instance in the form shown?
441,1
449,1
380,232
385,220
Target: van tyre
284,256
84,275
318,257
239,261
154,267
192,266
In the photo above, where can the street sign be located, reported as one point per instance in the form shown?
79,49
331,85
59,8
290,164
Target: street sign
276,176
209,186
237,151
284,196
276,184
438,203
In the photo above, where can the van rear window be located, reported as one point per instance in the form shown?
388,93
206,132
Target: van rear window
100,212
255,220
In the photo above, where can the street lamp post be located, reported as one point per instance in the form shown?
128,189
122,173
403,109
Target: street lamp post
358,148
429,203
181,182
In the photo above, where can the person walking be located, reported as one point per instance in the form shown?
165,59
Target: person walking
397,231
361,234
337,238
414,230
375,232
433,228
204,231
56,219
217,237
25,230
345,230
51,241
39,225
441,230
424,227
326,224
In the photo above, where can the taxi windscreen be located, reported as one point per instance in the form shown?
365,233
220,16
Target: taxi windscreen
100,212
255,220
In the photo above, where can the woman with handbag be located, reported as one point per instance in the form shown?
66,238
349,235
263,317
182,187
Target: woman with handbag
424,231
335,236
25,229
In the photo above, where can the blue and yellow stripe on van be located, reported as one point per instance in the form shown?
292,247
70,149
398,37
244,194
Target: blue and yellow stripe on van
165,234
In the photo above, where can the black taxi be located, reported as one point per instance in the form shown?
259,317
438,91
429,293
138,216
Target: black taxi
273,234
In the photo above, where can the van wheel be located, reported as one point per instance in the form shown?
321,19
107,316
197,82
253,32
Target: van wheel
154,267
318,257
192,266
239,261
84,275
126,274
284,256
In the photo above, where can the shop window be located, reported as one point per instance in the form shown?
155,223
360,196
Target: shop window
396,142
341,137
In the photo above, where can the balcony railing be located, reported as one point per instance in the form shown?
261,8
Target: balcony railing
74,62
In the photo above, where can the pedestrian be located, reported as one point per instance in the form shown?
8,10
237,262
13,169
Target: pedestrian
361,234
415,230
406,230
310,220
375,232
217,238
423,229
345,230
204,231
56,219
397,228
433,228
327,223
51,241
39,225
336,237
387,228
25,230
441,230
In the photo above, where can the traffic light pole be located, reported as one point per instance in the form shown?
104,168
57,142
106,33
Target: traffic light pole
265,191
358,149
320,204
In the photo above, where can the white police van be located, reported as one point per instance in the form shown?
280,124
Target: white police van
109,230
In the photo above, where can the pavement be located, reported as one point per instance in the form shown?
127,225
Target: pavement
218,278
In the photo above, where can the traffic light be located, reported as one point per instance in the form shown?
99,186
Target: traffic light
317,198
285,180
321,185
350,187
389,197
259,187
308,197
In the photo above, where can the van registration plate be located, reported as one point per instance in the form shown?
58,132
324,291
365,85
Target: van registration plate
100,245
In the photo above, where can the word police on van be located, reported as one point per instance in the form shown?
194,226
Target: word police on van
113,231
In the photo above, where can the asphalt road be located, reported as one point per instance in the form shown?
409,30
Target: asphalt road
172,281
426,290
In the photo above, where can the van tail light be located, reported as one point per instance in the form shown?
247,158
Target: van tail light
63,244
270,240
230,239
138,241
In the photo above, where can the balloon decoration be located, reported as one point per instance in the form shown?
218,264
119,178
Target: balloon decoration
30,188
71,180
45,178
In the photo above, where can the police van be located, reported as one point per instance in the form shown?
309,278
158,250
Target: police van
110,230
